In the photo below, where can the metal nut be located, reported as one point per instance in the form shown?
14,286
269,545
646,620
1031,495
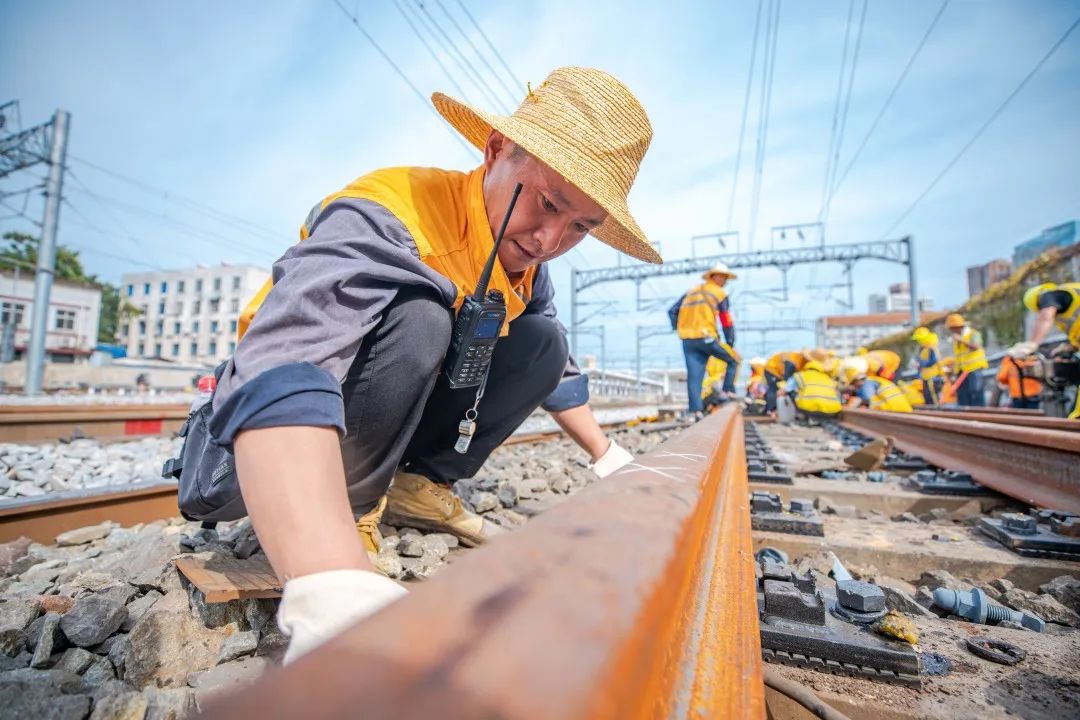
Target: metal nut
1019,524
860,596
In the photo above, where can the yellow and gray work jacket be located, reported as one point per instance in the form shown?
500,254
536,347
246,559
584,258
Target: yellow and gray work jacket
697,313
393,229
815,392
968,359
1065,298
882,394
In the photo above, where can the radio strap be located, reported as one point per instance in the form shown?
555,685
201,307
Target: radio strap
467,427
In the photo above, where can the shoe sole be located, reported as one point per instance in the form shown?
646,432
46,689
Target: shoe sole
391,518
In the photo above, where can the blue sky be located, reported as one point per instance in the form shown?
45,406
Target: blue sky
259,109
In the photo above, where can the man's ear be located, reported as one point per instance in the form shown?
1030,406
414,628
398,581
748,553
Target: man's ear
497,146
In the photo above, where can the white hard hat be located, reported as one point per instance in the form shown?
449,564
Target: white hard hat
719,269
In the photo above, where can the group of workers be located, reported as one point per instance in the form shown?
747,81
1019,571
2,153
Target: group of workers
820,384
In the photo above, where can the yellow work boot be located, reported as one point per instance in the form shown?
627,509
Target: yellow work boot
368,527
417,502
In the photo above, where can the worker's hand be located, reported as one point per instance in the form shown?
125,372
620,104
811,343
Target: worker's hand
1023,349
613,459
315,608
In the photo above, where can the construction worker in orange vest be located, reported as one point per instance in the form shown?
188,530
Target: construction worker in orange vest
778,369
1017,376
930,372
969,360
695,317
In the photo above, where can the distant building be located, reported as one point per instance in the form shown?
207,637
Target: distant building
898,299
981,277
846,333
74,309
1057,236
188,316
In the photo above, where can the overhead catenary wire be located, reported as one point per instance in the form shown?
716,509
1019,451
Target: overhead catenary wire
892,94
837,104
494,50
745,112
472,152
463,62
764,107
514,97
401,8
844,114
982,128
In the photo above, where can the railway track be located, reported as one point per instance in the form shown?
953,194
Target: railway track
28,423
1036,465
634,598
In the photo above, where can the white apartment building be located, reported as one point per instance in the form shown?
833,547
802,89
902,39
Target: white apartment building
74,309
846,333
188,316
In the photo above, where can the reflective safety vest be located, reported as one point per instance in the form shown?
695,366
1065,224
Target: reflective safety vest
816,392
913,391
444,212
888,397
714,373
882,362
1069,321
968,360
929,370
697,314
775,364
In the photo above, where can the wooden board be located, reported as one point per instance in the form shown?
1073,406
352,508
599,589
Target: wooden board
222,580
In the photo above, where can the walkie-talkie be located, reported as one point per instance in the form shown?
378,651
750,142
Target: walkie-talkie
478,322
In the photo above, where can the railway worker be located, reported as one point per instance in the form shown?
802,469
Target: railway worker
1057,304
778,369
1020,378
335,389
875,392
929,361
913,391
883,363
814,392
696,317
712,387
969,360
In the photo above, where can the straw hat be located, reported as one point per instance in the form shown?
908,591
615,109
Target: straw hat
719,269
588,127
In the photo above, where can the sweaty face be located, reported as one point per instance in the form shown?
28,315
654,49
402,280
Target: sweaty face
551,215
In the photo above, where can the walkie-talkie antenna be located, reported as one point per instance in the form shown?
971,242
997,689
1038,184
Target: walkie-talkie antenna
485,276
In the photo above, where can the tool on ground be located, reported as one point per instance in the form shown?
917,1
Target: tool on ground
478,322
948,393
976,606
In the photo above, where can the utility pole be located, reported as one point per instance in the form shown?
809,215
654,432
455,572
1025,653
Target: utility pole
916,316
46,255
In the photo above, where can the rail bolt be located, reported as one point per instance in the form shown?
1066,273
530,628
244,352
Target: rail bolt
802,506
765,502
860,596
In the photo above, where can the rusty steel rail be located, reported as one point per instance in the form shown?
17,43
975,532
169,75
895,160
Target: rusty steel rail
987,409
22,424
1037,466
634,598
43,520
1025,420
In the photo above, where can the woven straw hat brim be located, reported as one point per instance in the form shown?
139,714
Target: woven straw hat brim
619,229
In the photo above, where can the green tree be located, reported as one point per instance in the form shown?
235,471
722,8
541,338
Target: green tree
21,253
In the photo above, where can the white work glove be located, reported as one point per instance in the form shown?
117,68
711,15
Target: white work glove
612,459
315,608
1023,349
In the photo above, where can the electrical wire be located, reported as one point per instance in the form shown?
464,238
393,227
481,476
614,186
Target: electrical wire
982,128
463,62
472,152
88,224
116,220
844,115
745,112
764,108
836,111
514,98
434,55
892,94
498,55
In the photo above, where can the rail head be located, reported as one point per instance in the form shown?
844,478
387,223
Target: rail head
634,598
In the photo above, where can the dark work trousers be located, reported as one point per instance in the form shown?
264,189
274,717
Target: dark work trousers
931,390
772,383
970,392
400,410
1021,403
697,353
